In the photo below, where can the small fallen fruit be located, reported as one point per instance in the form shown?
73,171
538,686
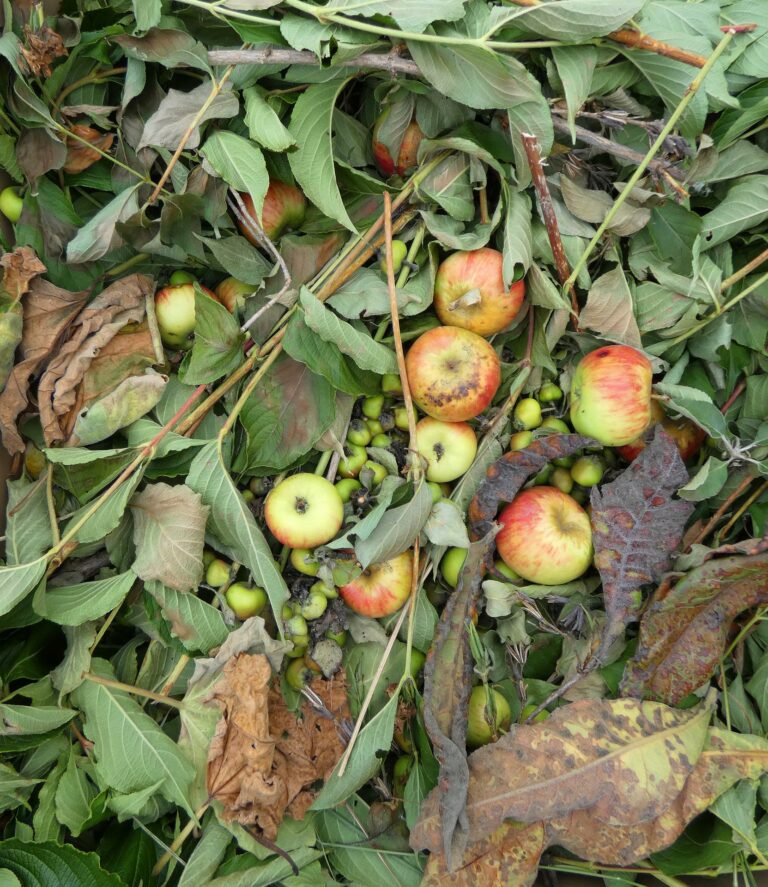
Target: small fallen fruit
549,392
232,293
527,414
449,448
611,395
587,470
381,589
284,208
470,292
485,725
244,601
304,511
302,559
217,573
11,204
175,312
399,252
451,565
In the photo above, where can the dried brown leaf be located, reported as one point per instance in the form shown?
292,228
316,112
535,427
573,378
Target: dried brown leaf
263,760
80,156
636,525
684,630
48,311
20,268
41,49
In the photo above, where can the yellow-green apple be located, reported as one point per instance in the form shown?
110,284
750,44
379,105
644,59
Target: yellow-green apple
485,725
245,601
175,312
11,204
351,465
304,510
284,208
381,589
298,674
452,564
346,487
611,395
400,774
686,434
181,277
448,447
587,470
527,414
232,292
550,392
303,560
545,536
470,292
399,252
217,573
453,373
391,384
407,152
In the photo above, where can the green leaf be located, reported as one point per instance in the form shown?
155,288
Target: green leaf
410,15
240,163
167,46
79,805
218,346
69,673
707,482
147,13
233,523
14,791
365,294
696,405
312,162
570,20
130,750
744,207
364,762
178,111
673,230
48,864
198,625
360,346
97,236
475,76
445,525
206,856
575,66
23,719
17,581
397,529
239,258
28,528
609,310
533,117
264,126
517,236
75,604
108,512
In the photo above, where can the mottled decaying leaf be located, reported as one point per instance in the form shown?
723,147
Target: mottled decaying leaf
636,525
449,665
20,268
626,761
263,760
685,629
42,48
48,311
80,156
169,534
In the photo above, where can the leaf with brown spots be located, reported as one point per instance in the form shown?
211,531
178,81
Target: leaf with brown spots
20,268
685,629
263,760
636,525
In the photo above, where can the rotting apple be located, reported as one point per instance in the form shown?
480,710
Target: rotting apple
449,448
284,209
686,434
245,601
304,511
483,724
611,394
470,292
175,312
407,152
303,560
232,293
545,536
453,373
381,589
11,204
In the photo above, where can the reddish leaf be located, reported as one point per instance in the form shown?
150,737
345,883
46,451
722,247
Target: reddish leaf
684,630
636,525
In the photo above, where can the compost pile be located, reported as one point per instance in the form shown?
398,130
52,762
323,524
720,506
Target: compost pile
386,396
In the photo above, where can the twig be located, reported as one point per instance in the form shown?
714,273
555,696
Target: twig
175,674
585,135
744,270
753,497
52,519
235,203
218,85
182,836
690,92
380,61
532,152
395,320
734,396
136,691
713,521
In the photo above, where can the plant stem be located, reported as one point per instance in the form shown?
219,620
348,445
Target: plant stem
712,522
128,263
136,691
52,519
690,92
750,500
179,839
248,390
93,77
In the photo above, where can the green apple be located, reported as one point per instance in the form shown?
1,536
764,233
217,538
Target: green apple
329,591
529,709
379,472
401,418
358,434
339,636
505,570
314,606
302,559
217,573
179,277
372,406
346,487
391,384
486,724
381,440
350,465
555,425
520,440
399,252
449,448
451,565
175,312
436,490
11,204
587,471
304,511
400,773
298,674
561,478
549,392
527,414
245,601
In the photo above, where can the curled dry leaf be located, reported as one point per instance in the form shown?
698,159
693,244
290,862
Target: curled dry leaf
80,156
684,630
41,49
636,525
47,312
20,268
263,759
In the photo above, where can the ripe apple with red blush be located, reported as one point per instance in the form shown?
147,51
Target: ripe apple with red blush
545,536
381,589
454,374
284,208
611,395
407,152
470,292
686,434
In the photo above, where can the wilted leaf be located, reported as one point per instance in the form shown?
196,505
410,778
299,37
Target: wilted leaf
178,110
43,47
636,525
263,759
609,309
20,268
593,206
169,533
685,628
80,156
